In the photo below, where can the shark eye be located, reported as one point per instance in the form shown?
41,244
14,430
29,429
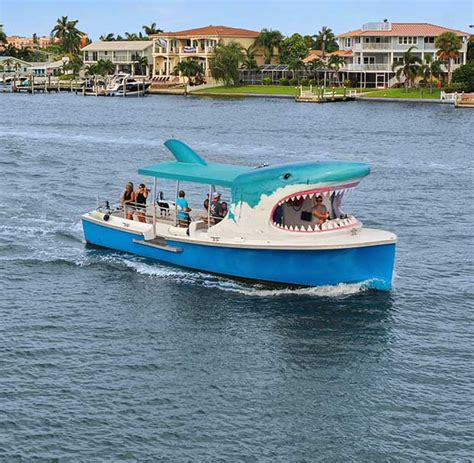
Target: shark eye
287,176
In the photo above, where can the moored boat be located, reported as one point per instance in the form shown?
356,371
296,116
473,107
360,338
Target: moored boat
271,233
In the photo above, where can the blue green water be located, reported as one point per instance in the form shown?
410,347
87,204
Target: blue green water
109,357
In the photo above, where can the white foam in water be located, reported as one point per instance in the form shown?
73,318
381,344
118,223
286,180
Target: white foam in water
223,284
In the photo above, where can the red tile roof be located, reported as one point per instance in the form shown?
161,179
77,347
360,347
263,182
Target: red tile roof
214,31
407,29
317,54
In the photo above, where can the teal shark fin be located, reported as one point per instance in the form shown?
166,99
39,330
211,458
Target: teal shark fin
183,153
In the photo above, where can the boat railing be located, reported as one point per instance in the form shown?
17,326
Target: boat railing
165,212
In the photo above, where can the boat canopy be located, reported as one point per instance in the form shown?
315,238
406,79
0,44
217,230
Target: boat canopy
190,167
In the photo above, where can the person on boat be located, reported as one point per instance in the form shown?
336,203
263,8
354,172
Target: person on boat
224,209
127,198
183,210
216,208
320,211
140,199
206,203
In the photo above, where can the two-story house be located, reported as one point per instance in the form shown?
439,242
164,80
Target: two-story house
371,51
123,54
198,44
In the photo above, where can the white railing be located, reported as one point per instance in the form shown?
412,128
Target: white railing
376,46
366,67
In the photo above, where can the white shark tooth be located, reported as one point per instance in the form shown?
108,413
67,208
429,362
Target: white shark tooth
304,196
291,227
298,197
286,227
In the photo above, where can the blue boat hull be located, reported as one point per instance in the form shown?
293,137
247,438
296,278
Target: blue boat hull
372,264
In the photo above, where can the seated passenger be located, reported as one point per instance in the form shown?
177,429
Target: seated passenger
140,199
216,208
224,209
127,198
320,211
183,209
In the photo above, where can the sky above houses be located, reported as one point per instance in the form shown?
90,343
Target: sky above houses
96,17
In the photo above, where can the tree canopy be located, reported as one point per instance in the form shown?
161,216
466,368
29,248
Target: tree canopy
269,40
448,45
68,34
293,51
325,40
224,66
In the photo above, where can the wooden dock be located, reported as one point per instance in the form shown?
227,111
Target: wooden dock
464,100
47,86
323,95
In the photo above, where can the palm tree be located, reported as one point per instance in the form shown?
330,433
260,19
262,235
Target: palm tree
429,69
225,64
3,38
448,44
141,62
8,63
131,36
269,40
190,69
336,62
325,40
68,34
151,29
92,70
107,38
249,61
105,67
409,67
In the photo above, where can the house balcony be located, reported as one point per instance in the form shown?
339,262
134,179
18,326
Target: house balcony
372,46
384,67
186,51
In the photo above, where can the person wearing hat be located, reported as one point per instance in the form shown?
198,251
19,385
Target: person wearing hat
127,198
216,208
183,210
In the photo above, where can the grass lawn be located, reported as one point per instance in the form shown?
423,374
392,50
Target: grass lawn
264,89
402,93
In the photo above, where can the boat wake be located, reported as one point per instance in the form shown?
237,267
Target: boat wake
225,284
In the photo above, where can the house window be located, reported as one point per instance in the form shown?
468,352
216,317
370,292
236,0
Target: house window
407,40
86,56
429,39
458,60
348,42
105,53
94,56
397,60
369,59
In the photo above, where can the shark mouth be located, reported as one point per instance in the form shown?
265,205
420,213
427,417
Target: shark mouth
296,212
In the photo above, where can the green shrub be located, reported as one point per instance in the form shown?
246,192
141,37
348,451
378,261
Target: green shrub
267,81
305,82
465,75
347,83
455,87
312,82
294,82
284,81
67,77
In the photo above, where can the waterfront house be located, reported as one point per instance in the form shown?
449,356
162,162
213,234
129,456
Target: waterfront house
30,42
198,44
123,54
10,65
370,52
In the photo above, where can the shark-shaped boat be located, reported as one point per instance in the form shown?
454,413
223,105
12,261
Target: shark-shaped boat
269,234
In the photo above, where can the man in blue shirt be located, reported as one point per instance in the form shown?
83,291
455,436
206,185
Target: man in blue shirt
183,210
